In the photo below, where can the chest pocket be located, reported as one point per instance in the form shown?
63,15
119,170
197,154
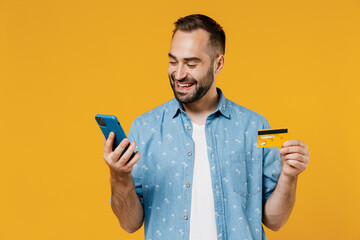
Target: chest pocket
245,174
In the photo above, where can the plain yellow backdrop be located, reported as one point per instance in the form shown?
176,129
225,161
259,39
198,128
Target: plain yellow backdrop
61,62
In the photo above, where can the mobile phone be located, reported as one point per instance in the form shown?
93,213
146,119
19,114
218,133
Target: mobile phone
109,123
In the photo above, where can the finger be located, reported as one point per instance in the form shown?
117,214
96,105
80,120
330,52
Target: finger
126,156
104,139
294,142
296,157
109,143
119,149
296,164
294,149
134,160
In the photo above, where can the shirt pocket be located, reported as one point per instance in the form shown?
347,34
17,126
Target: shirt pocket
246,174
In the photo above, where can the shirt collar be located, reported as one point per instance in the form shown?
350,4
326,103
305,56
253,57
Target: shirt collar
222,108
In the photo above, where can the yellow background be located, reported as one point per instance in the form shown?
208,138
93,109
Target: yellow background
62,62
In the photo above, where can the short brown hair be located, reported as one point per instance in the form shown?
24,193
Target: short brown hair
199,21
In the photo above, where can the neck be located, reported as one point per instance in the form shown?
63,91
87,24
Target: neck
199,110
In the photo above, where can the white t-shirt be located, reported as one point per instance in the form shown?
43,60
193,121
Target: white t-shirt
202,217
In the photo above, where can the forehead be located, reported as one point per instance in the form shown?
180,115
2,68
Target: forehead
190,44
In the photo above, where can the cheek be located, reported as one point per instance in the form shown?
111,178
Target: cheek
171,69
197,74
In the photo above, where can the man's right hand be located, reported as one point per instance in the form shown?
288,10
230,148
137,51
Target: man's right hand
120,167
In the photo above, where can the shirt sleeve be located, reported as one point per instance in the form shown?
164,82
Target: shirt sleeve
271,168
133,136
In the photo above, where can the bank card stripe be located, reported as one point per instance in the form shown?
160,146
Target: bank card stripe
272,131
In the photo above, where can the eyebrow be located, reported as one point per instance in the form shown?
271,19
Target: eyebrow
196,59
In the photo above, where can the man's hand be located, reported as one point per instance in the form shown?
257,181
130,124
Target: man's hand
294,157
120,167
124,200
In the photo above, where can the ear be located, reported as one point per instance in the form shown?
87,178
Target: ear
219,63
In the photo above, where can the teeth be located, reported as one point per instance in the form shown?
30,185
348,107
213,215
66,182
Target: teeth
184,85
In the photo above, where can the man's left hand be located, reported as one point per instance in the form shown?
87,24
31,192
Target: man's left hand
294,157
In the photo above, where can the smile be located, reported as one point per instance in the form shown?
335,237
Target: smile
184,87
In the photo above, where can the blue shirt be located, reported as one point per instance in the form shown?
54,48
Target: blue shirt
243,175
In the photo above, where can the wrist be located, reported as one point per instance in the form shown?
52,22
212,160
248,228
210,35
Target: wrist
122,184
288,179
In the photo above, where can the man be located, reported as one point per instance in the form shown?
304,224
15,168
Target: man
198,172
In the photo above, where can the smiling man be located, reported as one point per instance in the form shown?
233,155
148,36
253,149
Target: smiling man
198,172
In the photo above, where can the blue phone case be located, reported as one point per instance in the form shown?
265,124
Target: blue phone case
109,123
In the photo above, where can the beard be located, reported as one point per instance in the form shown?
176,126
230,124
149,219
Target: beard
202,86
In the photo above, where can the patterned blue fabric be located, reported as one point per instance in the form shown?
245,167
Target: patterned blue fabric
243,175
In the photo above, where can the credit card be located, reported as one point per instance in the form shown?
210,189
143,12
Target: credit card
272,137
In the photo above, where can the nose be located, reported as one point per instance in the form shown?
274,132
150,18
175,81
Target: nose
180,72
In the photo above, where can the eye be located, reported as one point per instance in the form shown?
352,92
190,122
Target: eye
172,63
191,65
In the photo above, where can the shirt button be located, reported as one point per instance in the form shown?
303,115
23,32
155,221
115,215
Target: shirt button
186,217
187,185
188,127
189,153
